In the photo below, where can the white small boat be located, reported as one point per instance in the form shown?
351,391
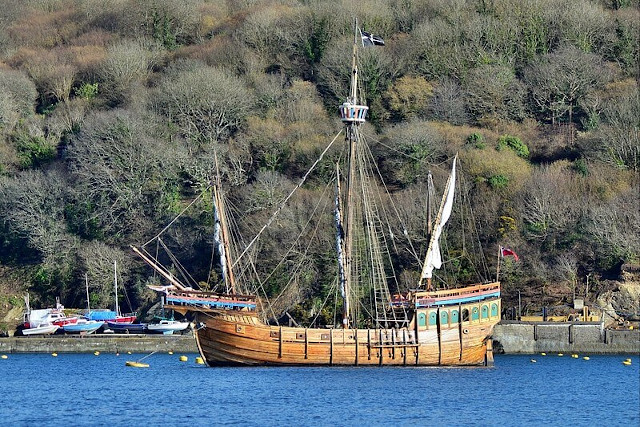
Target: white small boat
45,329
167,327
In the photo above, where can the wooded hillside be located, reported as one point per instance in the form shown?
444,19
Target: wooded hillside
110,112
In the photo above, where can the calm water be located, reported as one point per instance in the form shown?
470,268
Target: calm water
81,389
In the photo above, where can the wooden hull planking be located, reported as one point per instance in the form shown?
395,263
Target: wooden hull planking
228,338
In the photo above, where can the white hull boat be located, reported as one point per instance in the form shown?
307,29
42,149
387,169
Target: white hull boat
167,327
41,330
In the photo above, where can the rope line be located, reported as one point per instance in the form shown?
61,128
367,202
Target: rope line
277,211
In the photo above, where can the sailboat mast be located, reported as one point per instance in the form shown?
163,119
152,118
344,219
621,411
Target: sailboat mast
429,215
433,259
86,285
115,285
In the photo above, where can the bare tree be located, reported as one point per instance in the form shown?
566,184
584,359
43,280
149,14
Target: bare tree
96,260
120,172
18,100
447,103
619,137
560,80
127,62
208,103
494,92
32,208
548,205
615,226
412,145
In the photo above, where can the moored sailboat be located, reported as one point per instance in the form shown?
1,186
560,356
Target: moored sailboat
113,316
421,326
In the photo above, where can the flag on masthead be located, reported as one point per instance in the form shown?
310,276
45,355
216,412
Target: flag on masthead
369,39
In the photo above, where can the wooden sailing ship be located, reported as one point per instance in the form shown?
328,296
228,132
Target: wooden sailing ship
421,326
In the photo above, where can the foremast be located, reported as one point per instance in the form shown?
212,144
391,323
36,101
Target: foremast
353,114
221,236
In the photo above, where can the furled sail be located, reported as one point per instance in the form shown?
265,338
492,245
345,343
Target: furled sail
433,259
339,245
220,245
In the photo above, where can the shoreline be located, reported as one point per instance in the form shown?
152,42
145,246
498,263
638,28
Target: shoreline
509,337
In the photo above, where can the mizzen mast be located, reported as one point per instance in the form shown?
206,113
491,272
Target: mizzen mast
433,259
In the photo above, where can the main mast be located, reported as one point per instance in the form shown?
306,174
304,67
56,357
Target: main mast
352,115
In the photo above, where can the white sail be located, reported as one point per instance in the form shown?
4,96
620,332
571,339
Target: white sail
433,260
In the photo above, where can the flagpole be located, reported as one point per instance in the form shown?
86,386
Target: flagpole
498,269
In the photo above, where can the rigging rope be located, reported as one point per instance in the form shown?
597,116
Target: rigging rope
335,284
175,219
309,243
273,216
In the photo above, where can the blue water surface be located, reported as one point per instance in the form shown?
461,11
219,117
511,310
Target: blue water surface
84,389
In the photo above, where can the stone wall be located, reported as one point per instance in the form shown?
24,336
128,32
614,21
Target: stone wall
101,343
577,337
508,337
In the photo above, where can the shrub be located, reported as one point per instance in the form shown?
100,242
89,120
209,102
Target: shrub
515,144
580,166
87,91
33,150
477,140
498,181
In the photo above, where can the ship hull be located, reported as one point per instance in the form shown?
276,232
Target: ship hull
227,338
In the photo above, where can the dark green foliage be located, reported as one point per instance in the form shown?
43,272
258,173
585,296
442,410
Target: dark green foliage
514,143
580,166
87,91
498,181
316,44
162,30
477,140
33,151
625,48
